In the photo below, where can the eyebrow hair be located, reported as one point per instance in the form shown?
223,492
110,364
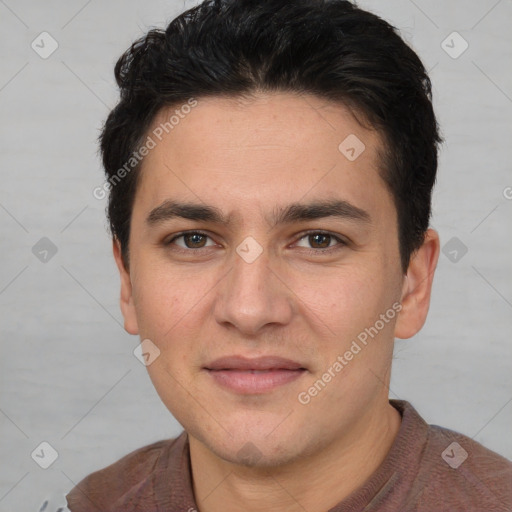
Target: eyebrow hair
294,212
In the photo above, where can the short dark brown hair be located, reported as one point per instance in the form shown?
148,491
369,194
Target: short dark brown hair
233,48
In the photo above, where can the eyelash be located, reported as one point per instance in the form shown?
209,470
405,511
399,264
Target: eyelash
328,250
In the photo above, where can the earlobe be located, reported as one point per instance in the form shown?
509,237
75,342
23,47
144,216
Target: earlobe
126,300
417,287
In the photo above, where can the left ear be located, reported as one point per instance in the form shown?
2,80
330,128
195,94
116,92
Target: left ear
417,287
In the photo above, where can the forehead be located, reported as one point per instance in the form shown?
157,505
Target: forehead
273,148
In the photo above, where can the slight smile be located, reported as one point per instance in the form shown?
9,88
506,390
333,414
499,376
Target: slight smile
252,376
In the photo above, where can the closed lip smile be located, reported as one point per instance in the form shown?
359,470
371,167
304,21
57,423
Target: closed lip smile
254,375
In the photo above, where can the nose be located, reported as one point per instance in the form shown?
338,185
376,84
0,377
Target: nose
253,295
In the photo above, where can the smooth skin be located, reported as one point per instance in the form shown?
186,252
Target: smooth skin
305,298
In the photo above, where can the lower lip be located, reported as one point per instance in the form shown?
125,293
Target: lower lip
248,382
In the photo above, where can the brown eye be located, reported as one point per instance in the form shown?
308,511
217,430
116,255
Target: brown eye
191,240
194,240
319,240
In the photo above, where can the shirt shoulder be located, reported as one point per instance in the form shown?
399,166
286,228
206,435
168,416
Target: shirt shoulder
458,473
101,490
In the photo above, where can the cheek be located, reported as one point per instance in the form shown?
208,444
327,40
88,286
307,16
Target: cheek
172,308
347,306
344,299
155,307
163,299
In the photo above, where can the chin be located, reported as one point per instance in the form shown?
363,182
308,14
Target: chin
255,454
253,445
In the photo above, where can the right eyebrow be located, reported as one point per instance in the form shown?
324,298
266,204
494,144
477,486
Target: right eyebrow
171,209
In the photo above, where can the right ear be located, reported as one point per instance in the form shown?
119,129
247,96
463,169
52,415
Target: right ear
126,302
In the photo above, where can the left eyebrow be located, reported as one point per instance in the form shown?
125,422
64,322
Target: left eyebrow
297,212
292,213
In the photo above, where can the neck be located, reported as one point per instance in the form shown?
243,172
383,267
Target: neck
339,469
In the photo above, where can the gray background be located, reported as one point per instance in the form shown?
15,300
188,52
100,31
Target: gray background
67,372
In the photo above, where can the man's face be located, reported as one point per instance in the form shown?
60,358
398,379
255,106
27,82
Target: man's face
254,288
